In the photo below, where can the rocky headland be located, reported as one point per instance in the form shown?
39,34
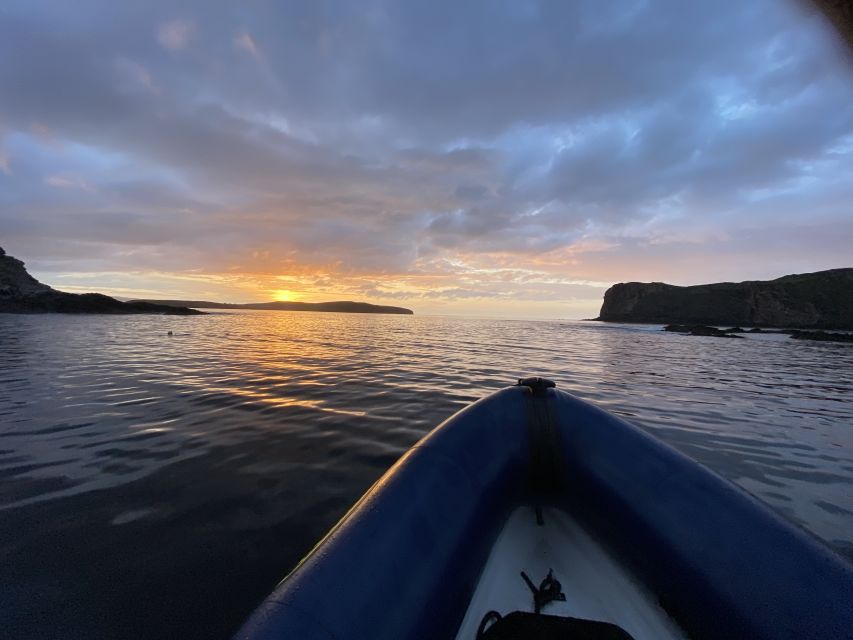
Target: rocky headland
813,301
21,293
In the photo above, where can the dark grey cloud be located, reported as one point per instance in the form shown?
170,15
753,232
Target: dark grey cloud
380,136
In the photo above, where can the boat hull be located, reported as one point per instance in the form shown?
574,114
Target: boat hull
407,559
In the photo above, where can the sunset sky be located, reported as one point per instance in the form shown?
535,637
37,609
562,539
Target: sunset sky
493,158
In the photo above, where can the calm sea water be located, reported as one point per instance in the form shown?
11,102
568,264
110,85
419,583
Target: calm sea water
157,486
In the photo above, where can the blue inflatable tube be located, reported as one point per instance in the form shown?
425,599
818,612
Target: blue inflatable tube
406,559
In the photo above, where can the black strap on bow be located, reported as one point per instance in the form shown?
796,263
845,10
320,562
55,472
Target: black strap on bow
545,451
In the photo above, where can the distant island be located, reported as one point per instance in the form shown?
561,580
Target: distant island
821,300
21,293
339,307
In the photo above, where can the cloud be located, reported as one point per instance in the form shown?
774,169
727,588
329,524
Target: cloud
175,34
137,75
243,40
400,144
63,182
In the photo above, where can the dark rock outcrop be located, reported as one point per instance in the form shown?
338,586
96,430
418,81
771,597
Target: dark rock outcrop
15,282
821,336
21,293
702,330
821,300
339,307
797,334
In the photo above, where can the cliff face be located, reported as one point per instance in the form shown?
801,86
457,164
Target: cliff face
14,279
821,300
21,293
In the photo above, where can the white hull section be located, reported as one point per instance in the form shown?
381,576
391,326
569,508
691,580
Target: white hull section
596,587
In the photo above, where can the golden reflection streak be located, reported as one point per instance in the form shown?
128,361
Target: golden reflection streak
279,402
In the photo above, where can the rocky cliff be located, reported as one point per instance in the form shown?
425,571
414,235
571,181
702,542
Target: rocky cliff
21,293
821,300
15,281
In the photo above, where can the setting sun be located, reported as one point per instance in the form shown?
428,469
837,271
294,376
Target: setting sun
283,295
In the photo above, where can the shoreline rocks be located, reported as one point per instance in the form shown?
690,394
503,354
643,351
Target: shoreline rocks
822,336
797,334
702,330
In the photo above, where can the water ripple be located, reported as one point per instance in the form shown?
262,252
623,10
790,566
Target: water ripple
226,449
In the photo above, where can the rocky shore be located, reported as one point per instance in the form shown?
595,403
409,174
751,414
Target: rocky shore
702,330
21,293
797,334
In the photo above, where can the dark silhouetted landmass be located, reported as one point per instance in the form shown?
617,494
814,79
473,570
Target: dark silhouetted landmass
821,300
339,307
21,293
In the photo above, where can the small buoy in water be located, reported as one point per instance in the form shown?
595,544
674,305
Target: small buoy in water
168,334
